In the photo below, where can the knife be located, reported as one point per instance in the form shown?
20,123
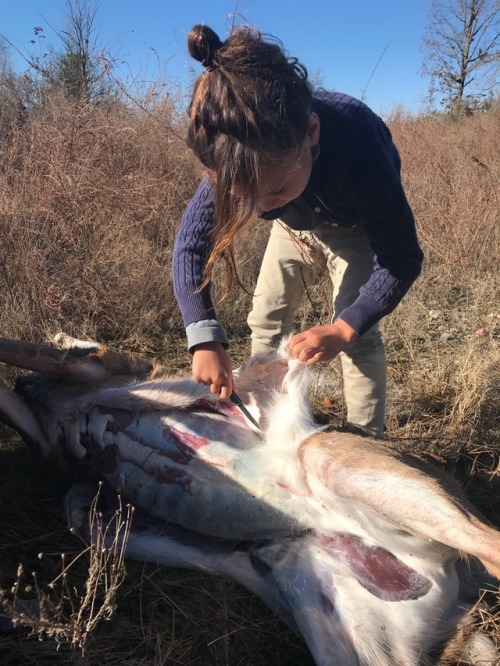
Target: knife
236,400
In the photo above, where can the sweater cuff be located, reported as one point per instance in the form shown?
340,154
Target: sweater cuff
205,330
362,314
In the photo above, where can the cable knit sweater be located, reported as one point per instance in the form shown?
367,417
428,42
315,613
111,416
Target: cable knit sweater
355,181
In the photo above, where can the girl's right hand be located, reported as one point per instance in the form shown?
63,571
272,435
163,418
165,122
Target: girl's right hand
213,367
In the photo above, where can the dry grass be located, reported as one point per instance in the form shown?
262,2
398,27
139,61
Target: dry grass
90,202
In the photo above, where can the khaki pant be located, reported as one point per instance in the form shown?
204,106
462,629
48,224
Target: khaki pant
291,262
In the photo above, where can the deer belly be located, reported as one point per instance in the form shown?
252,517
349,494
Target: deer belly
197,470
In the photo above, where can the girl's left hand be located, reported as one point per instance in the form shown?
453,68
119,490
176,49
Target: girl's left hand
321,343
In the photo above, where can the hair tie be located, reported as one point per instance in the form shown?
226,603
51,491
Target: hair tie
208,62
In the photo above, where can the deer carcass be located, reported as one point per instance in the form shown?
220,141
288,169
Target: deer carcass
356,545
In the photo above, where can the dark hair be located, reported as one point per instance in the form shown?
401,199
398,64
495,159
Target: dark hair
250,106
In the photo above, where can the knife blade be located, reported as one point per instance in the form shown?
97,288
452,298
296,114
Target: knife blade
236,400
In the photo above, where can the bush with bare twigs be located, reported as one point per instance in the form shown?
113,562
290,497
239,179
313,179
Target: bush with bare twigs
59,610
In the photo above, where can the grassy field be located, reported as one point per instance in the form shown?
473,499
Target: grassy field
90,202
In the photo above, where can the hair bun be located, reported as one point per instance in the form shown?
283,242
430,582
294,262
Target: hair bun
203,44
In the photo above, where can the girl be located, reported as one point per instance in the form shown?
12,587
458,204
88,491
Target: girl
322,166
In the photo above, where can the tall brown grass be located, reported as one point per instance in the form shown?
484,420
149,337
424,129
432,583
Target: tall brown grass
91,199
445,334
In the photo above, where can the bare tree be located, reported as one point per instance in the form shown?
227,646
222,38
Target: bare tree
461,44
74,66
78,68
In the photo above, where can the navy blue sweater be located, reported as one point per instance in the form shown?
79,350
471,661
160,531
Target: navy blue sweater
355,181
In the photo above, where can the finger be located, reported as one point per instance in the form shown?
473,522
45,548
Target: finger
215,388
295,350
225,392
304,353
317,358
296,339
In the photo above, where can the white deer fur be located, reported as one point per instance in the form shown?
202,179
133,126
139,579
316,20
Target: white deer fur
357,545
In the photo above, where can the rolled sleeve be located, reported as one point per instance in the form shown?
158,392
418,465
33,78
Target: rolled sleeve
206,330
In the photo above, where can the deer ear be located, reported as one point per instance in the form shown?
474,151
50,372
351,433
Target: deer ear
112,362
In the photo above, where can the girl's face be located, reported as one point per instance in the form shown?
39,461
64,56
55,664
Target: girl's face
285,180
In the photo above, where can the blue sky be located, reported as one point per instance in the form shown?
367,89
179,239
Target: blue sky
367,48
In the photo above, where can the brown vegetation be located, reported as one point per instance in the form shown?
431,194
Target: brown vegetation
91,198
